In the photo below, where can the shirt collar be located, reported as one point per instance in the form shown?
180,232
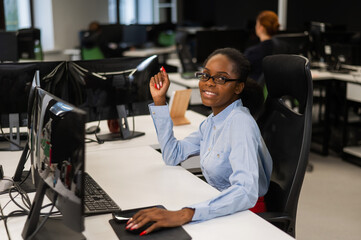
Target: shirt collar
220,117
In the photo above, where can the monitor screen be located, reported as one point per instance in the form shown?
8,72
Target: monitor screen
58,163
291,43
114,89
134,35
8,46
28,41
19,175
15,81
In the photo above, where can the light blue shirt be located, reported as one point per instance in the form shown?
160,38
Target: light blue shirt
233,157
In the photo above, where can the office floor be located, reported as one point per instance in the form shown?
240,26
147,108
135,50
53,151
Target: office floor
330,201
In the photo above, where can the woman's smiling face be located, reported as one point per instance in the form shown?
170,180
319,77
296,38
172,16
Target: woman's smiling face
218,97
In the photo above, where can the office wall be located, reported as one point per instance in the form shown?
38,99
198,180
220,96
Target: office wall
71,16
233,13
345,12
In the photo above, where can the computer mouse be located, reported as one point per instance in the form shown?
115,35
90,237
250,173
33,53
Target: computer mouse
92,130
141,229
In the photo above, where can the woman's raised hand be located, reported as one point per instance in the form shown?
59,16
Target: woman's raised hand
159,85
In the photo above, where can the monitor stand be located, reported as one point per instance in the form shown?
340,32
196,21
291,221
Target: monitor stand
20,174
14,133
53,228
124,133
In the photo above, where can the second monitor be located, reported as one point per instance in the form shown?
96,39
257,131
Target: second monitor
114,89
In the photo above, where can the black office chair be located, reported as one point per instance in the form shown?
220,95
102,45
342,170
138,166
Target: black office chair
287,134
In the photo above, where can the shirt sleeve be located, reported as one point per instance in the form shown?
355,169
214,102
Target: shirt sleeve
173,151
243,192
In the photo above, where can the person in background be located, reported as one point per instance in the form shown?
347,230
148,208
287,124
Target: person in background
233,155
267,25
91,37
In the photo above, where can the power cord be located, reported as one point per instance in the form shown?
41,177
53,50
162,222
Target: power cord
5,222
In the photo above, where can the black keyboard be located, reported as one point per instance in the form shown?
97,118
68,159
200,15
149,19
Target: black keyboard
96,200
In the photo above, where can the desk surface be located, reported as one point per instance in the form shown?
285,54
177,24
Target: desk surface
145,124
145,52
137,177
354,77
134,175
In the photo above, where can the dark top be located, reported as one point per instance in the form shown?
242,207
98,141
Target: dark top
255,55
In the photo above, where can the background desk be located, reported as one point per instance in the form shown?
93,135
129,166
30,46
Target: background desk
352,82
146,52
137,177
144,124
179,83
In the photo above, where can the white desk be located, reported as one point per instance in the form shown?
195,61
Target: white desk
353,93
136,177
145,124
145,52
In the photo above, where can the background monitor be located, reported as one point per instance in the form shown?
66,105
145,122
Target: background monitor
58,167
134,35
29,46
291,43
8,46
15,81
20,175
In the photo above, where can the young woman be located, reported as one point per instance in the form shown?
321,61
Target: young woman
233,156
266,26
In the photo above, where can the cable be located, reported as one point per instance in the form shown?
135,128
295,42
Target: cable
133,125
26,177
95,133
44,220
5,223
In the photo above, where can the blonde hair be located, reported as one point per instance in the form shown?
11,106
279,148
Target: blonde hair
269,20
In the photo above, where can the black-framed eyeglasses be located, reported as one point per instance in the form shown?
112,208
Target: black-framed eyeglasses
217,79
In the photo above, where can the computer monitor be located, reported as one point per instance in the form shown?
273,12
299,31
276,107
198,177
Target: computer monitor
322,36
15,81
134,35
209,40
114,89
21,176
58,168
8,47
29,46
291,43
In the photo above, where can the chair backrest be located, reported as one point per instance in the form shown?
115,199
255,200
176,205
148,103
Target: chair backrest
93,53
286,131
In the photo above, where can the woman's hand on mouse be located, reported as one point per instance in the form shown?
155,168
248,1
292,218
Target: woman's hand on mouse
159,85
161,218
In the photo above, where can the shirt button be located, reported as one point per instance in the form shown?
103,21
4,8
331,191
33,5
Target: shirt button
153,113
217,155
214,127
209,149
